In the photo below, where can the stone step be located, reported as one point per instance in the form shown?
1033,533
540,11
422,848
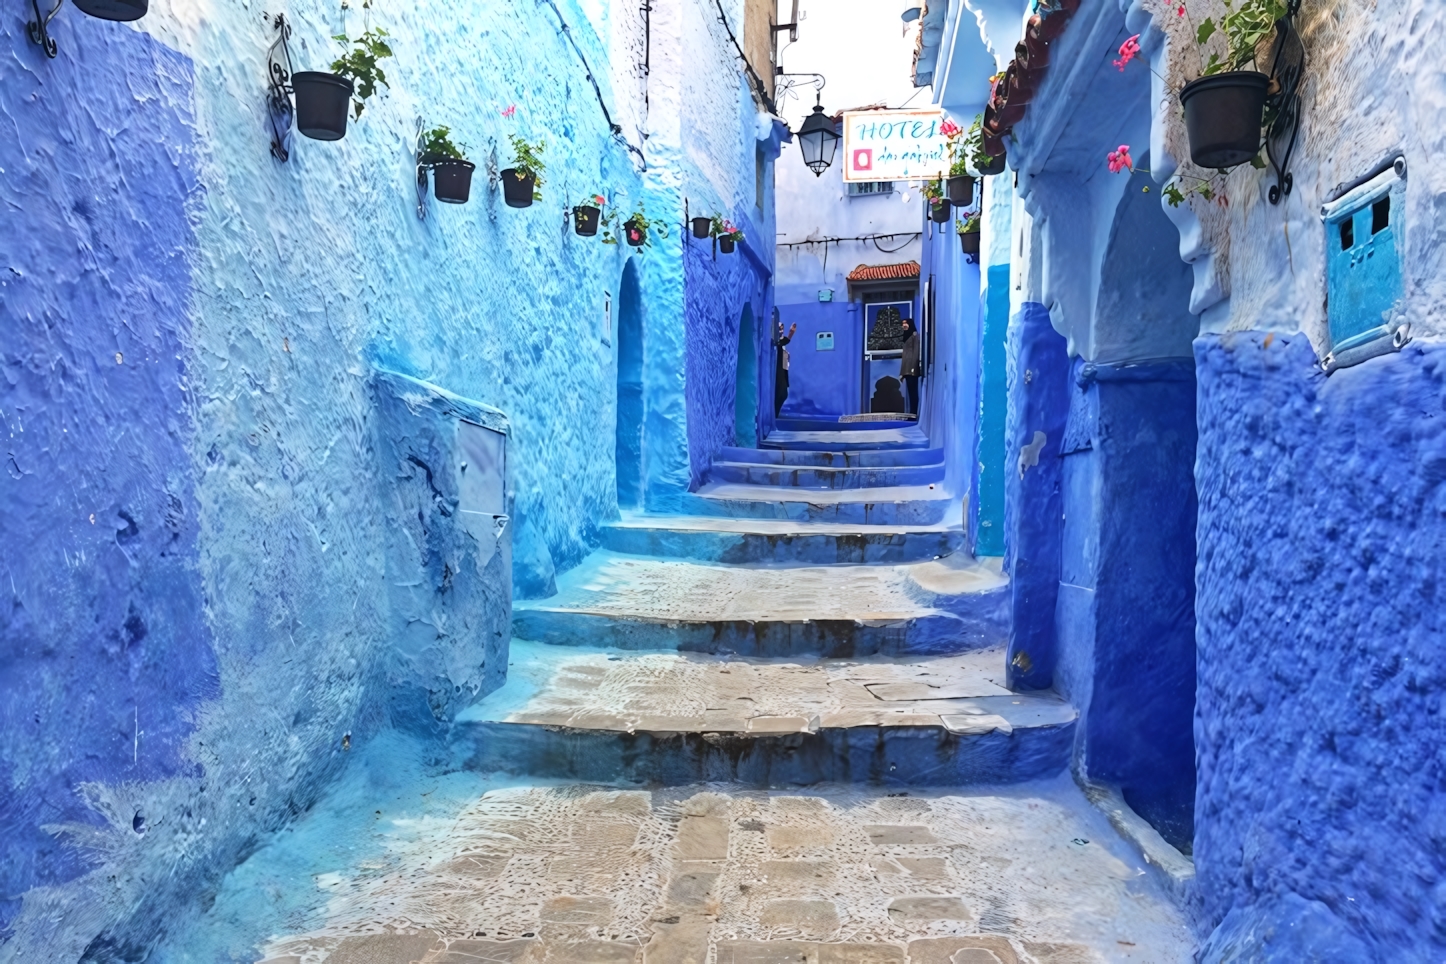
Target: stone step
835,424
900,505
777,542
878,439
671,718
820,477
632,603
836,459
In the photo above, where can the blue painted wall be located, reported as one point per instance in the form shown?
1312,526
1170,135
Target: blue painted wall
1125,624
105,649
1319,721
823,383
987,506
1038,402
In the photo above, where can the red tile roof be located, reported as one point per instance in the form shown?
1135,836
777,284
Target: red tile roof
885,272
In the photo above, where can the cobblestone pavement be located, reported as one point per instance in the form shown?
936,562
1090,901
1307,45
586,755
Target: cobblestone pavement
547,875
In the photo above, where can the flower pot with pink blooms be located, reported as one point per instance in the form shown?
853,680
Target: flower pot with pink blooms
727,233
587,216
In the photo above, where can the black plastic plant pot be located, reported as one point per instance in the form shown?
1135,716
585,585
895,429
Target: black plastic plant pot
517,188
960,190
969,241
995,166
939,211
701,227
121,10
726,245
322,101
585,219
637,234
1223,114
452,180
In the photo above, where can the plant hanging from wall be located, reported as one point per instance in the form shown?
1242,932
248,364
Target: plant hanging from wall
1181,187
637,230
960,184
968,231
971,148
522,182
939,206
322,99
727,233
587,215
451,171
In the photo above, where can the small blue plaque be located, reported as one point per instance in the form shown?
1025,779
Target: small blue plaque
823,341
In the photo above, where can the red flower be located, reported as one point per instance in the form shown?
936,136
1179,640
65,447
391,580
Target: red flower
1120,159
511,109
950,129
1129,50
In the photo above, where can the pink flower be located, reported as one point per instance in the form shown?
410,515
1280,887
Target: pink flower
511,109
1129,50
1120,159
599,199
950,129
1180,11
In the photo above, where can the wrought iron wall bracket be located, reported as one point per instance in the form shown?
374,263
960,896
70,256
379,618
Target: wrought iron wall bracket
422,168
1282,104
279,107
39,28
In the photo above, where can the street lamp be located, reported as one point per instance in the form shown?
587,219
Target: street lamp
818,140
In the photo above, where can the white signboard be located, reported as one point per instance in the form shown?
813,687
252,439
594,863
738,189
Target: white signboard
894,145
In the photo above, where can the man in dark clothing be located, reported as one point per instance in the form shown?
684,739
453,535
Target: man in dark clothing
909,366
780,371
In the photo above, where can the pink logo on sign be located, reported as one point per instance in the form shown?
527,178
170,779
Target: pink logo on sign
864,159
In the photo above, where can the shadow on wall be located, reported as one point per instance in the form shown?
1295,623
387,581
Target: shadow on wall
630,390
745,391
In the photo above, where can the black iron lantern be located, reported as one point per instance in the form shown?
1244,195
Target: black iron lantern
818,140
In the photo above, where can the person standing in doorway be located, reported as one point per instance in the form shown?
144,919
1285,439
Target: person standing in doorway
909,366
780,371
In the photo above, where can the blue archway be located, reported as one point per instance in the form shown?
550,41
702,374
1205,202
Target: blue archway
629,442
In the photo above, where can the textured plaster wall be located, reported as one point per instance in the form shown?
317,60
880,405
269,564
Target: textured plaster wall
1320,725
194,332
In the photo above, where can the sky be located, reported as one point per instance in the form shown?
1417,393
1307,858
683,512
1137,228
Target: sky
859,46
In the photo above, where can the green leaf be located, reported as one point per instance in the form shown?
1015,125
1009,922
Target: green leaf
1205,31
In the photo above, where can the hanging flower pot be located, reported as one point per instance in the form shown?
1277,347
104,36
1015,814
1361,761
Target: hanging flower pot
701,227
636,233
1223,114
517,188
939,210
322,101
452,180
969,241
996,161
960,190
726,245
585,220
1019,86
119,10
1036,44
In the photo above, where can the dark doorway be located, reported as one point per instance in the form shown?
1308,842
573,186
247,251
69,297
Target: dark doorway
630,391
745,397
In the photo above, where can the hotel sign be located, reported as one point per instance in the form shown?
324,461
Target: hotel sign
894,145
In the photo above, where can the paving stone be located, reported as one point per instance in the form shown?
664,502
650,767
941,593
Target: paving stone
702,838
592,952
804,952
798,840
577,910
477,866
383,949
963,950
1063,953
693,892
925,868
793,872
800,918
894,835
681,943
482,952
928,908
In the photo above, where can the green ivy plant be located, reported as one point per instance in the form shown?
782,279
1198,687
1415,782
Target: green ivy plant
1245,24
527,160
969,225
973,146
360,65
437,146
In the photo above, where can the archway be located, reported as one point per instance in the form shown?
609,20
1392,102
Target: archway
629,432
745,392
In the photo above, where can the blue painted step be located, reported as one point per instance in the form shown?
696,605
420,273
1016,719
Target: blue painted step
858,458
779,543
851,440
793,424
904,505
818,477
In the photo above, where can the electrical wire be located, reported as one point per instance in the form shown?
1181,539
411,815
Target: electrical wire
615,129
875,238
761,90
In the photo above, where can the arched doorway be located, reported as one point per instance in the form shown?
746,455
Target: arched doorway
629,441
745,397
